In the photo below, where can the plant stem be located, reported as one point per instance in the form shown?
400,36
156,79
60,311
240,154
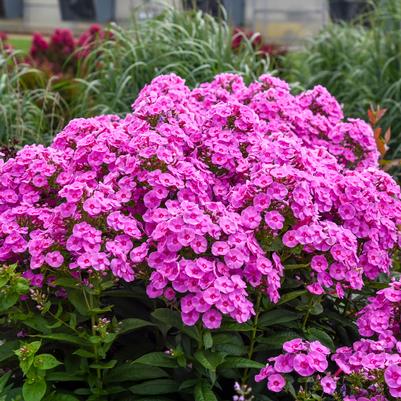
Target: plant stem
90,303
346,303
245,376
307,313
95,348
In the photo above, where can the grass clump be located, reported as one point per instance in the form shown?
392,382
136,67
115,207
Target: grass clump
30,111
192,44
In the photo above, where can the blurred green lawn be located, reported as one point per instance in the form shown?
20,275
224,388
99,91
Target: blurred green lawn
20,42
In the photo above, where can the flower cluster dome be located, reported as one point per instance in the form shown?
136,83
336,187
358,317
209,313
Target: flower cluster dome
205,194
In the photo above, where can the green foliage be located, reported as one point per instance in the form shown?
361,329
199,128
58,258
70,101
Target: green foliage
106,342
359,65
191,44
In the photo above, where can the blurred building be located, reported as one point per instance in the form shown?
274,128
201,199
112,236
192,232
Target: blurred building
281,21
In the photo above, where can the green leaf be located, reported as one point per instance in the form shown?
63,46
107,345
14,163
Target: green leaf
277,316
151,399
65,338
104,365
66,376
34,390
46,361
317,309
8,300
238,362
233,326
343,321
36,322
99,311
313,334
3,280
277,340
159,359
84,354
187,384
7,349
155,387
209,360
3,381
128,325
291,296
229,343
192,331
34,346
207,340
168,317
203,392
130,372
62,397
78,301
67,282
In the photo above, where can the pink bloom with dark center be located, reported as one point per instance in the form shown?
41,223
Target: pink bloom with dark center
212,319
276,382
303,365
274,220
328,384
54,259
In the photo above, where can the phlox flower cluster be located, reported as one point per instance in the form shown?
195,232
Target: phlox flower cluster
205,194
302,357
380,321
375,360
